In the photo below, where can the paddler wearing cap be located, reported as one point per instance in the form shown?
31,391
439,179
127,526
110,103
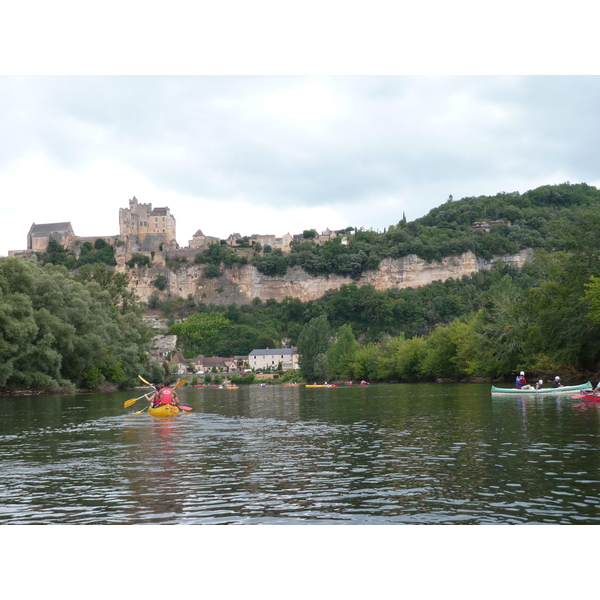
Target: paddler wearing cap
556,383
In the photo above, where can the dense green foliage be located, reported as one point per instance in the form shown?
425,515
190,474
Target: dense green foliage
313,342
141,260
217,254
99,252
60,333
516,221
544,318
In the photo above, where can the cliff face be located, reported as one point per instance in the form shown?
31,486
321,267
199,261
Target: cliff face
240,285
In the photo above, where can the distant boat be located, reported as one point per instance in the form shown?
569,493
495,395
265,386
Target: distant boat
496,391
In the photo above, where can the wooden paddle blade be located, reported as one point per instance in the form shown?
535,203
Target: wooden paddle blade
128,403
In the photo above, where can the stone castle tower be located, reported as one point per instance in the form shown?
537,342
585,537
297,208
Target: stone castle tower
146,228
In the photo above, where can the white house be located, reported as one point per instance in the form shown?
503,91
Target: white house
271,357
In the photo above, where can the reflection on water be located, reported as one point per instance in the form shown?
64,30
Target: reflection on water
431,454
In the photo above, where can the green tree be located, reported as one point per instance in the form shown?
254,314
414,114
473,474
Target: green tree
313,342
340,354
58,332
211,271
401,359
160,283
503,327
446,351
200,333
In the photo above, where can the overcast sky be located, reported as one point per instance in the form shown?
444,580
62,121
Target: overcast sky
270,154
260,153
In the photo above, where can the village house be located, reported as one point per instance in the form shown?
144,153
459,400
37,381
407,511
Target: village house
233,238
270,358
283,243
325,236
199,240
181,363
263,240
206,364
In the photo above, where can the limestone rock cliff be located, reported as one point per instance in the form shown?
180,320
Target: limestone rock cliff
240,285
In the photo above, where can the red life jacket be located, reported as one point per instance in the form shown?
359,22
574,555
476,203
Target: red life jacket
166,396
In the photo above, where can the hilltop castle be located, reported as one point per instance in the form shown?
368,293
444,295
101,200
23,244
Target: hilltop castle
143,229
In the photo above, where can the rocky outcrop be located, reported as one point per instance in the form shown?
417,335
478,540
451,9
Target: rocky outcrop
241,284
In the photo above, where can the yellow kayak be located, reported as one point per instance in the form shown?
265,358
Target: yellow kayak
319,385
166,410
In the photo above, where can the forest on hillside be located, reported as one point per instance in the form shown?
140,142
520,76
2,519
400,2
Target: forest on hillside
543,318
517,221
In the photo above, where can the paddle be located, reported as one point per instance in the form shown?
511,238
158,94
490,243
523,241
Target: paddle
146,382
128,403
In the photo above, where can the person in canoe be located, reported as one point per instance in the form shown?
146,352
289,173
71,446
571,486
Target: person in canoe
539,384
164,395
153,398
556,383
521,382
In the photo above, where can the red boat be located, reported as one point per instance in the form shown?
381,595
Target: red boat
587,397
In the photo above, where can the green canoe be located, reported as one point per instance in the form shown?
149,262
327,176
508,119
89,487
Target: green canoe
496,391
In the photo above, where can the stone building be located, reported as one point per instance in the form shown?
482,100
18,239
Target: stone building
199,240
221,365
39,235
267,239
284,242
142,218
145,229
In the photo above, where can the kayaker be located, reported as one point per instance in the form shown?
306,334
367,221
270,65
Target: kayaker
153,399
539,384
556,383
521,382
168,395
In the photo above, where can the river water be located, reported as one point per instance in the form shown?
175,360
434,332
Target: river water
383,454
